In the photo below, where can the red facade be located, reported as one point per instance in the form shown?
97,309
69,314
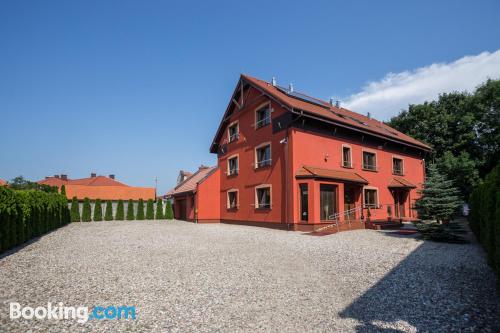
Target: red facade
288,160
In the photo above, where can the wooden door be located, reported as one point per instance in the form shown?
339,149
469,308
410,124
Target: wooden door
399,203
349,202
182,209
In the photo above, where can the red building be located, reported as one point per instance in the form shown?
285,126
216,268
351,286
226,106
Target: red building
292,161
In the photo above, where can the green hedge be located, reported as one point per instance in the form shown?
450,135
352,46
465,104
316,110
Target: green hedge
484,216
26,214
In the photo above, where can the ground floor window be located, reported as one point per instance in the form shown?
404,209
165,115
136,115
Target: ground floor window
370,198
263,197
304,202
328,201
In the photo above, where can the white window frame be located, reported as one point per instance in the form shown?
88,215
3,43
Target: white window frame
256,162
237,135
376,195
350,156
228,172
228,204
270,196
402,165
363,151
261,106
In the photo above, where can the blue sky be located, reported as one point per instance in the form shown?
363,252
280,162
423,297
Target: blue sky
137,88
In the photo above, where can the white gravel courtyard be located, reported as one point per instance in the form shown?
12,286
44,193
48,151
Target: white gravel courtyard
184,277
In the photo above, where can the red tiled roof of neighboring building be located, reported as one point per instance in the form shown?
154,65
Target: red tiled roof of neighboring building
191,183
3,182
90,181
315,172
109,192
401,183
52,181
339,115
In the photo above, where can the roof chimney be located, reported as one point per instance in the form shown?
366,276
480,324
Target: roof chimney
290,88
202,167
64,177
273,81
57,176
93,175
368,115
112,176
337,103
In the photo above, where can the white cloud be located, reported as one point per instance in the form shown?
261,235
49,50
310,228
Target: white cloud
385,98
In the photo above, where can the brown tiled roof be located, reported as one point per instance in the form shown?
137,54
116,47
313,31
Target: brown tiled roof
339,115
191,183
110,192
401,183
2,182
315,172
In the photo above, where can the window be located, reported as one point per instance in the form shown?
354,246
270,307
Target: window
370,196
233,132
263,156
328,201
397,166
263,116
369,161
232,166
304,202
346,157
263,197
232,199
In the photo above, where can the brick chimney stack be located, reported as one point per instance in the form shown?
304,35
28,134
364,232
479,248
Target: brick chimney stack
112,176
93,175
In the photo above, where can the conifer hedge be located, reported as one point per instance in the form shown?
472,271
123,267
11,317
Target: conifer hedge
130,210
169,213
159,210
120,211
86,211
25,214
484,216
108,215
150,214
140,210
98,210
75,210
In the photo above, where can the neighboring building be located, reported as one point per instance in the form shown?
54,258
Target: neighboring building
99,187
292,161
197,198
3,182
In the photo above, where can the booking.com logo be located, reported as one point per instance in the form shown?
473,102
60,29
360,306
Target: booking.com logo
81,314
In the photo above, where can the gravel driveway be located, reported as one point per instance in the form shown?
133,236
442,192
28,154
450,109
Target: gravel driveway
185,277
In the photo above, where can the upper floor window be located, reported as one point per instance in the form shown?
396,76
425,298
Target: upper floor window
263,196
232,199
232,165
369,161
346,157
397,166
263,116
233,132
370,198
263,155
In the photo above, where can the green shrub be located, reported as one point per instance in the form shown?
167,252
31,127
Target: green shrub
140,210
63,190
120,212
159,209
130,211
108,215
86,210
169,213
75,210
98,210
25,214
150,214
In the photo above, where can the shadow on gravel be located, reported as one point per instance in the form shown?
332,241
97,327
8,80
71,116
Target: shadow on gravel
19,247
436,288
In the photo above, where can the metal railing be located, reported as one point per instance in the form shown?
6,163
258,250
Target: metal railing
234,137
370,167
263,122
263,163
335,218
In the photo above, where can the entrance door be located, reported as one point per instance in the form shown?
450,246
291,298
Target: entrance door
182,209
399,203
349,202
328,201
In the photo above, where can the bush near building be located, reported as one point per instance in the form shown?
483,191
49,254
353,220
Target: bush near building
26,214
484,216
159,210
150,214
120,211
140,210
108,215
130,211
169,213
75,210
98,210
86,211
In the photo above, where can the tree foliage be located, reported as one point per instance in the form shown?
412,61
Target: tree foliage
21,183
150,212
108,215
440,199
463,130
159,209
130,210
120,211
86,211
97,210
140,210
63,190
75,210
169,213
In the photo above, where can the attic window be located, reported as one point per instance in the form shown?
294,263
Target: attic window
233,132
263,116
